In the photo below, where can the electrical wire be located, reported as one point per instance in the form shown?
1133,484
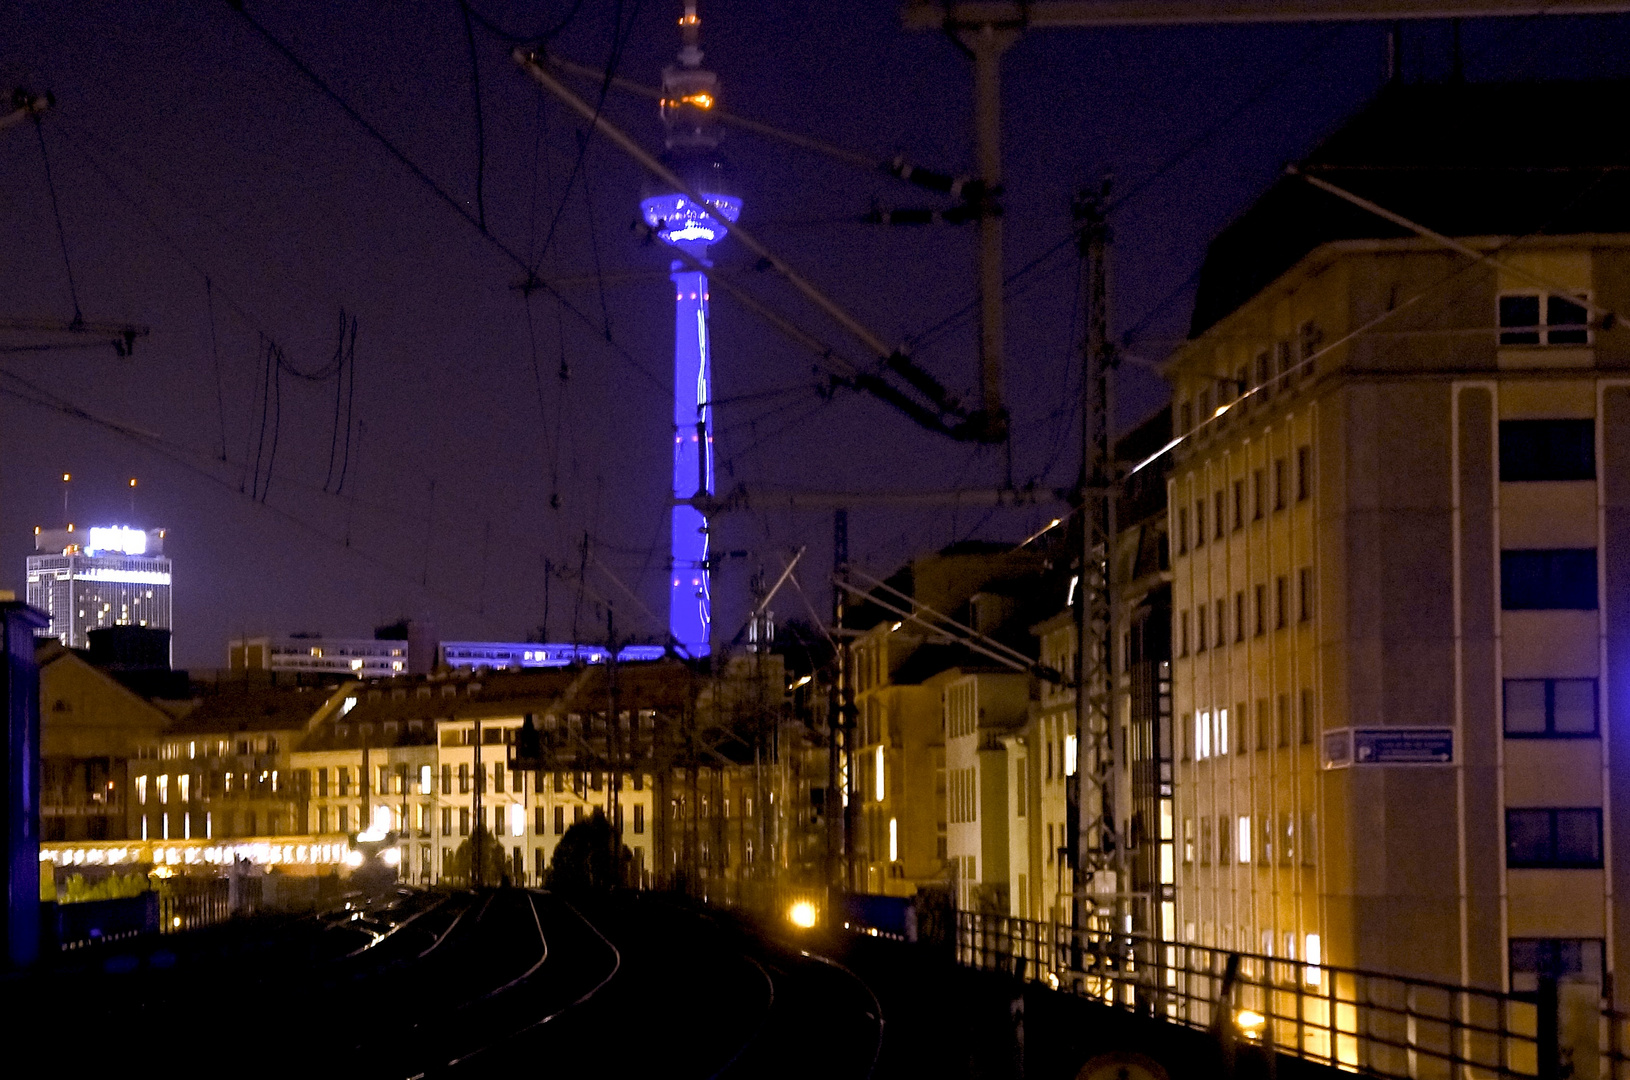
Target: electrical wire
533,281
1171,162
619,41
480,123
56,213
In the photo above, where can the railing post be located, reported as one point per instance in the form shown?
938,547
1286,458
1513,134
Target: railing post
1546,1029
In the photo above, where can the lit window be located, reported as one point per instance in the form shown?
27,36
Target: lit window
1245,838
141,791
1069,755
894,840
1313,953
882,787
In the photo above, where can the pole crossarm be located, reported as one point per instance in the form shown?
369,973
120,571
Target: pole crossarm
742,498
1065,14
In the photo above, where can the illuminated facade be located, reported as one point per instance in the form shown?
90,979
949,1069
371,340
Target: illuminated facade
689,94
522,654
364,658
113,576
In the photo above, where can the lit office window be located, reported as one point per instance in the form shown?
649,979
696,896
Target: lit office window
1245,838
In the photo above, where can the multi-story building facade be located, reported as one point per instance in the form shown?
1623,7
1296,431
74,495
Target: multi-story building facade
91,728
313,654
1403,610
102,576
900,673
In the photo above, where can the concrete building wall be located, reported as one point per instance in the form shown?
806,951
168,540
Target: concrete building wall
1401,536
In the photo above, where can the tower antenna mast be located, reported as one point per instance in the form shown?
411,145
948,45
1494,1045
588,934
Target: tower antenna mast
689,93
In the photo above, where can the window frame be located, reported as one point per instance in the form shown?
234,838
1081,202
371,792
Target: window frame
1553,861
1542,330
1550,731
1513,560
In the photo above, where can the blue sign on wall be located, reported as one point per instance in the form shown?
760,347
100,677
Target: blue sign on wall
1388,746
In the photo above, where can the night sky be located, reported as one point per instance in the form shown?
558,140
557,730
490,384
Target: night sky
184,147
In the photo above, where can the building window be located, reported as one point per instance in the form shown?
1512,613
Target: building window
1188,841
1245,839
1217,498
1185,414
1264,367
1287,840
560,820
1553,838
1560,958
1282,357
1304,594
1182,530
1307,717
1281,604
1222,621
1550,708
1565,321
464,821
1561,579
1262,723
1260,595
1539,450
1239,505
1282,722
1199,522
639,818
1200,628
447,821
1225,846
1281,483
1205,841
1264,855
1239,616
1183,634
1242,721
1311,339
1259,494
1304,472
463,779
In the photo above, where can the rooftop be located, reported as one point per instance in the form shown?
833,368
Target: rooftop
1463,159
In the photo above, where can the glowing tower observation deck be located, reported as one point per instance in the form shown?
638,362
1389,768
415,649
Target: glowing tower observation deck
688,96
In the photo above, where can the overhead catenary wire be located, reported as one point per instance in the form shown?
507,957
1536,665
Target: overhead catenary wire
440,192
56,214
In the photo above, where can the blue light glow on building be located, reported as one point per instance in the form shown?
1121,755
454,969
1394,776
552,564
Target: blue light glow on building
689,95
505,654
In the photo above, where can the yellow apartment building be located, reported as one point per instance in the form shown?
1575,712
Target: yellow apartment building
1398,597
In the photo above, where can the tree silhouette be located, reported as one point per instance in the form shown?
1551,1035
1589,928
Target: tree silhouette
493,865
588,857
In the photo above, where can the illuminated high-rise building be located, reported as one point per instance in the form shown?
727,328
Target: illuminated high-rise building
103,576
689,95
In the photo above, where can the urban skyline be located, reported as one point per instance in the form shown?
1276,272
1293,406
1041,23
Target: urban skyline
1118,570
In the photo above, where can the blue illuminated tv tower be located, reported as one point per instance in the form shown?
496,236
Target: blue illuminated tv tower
689,93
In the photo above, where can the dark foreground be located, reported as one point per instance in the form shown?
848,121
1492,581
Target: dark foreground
508,982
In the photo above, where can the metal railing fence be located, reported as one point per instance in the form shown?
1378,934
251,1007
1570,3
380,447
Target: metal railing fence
1359,1021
